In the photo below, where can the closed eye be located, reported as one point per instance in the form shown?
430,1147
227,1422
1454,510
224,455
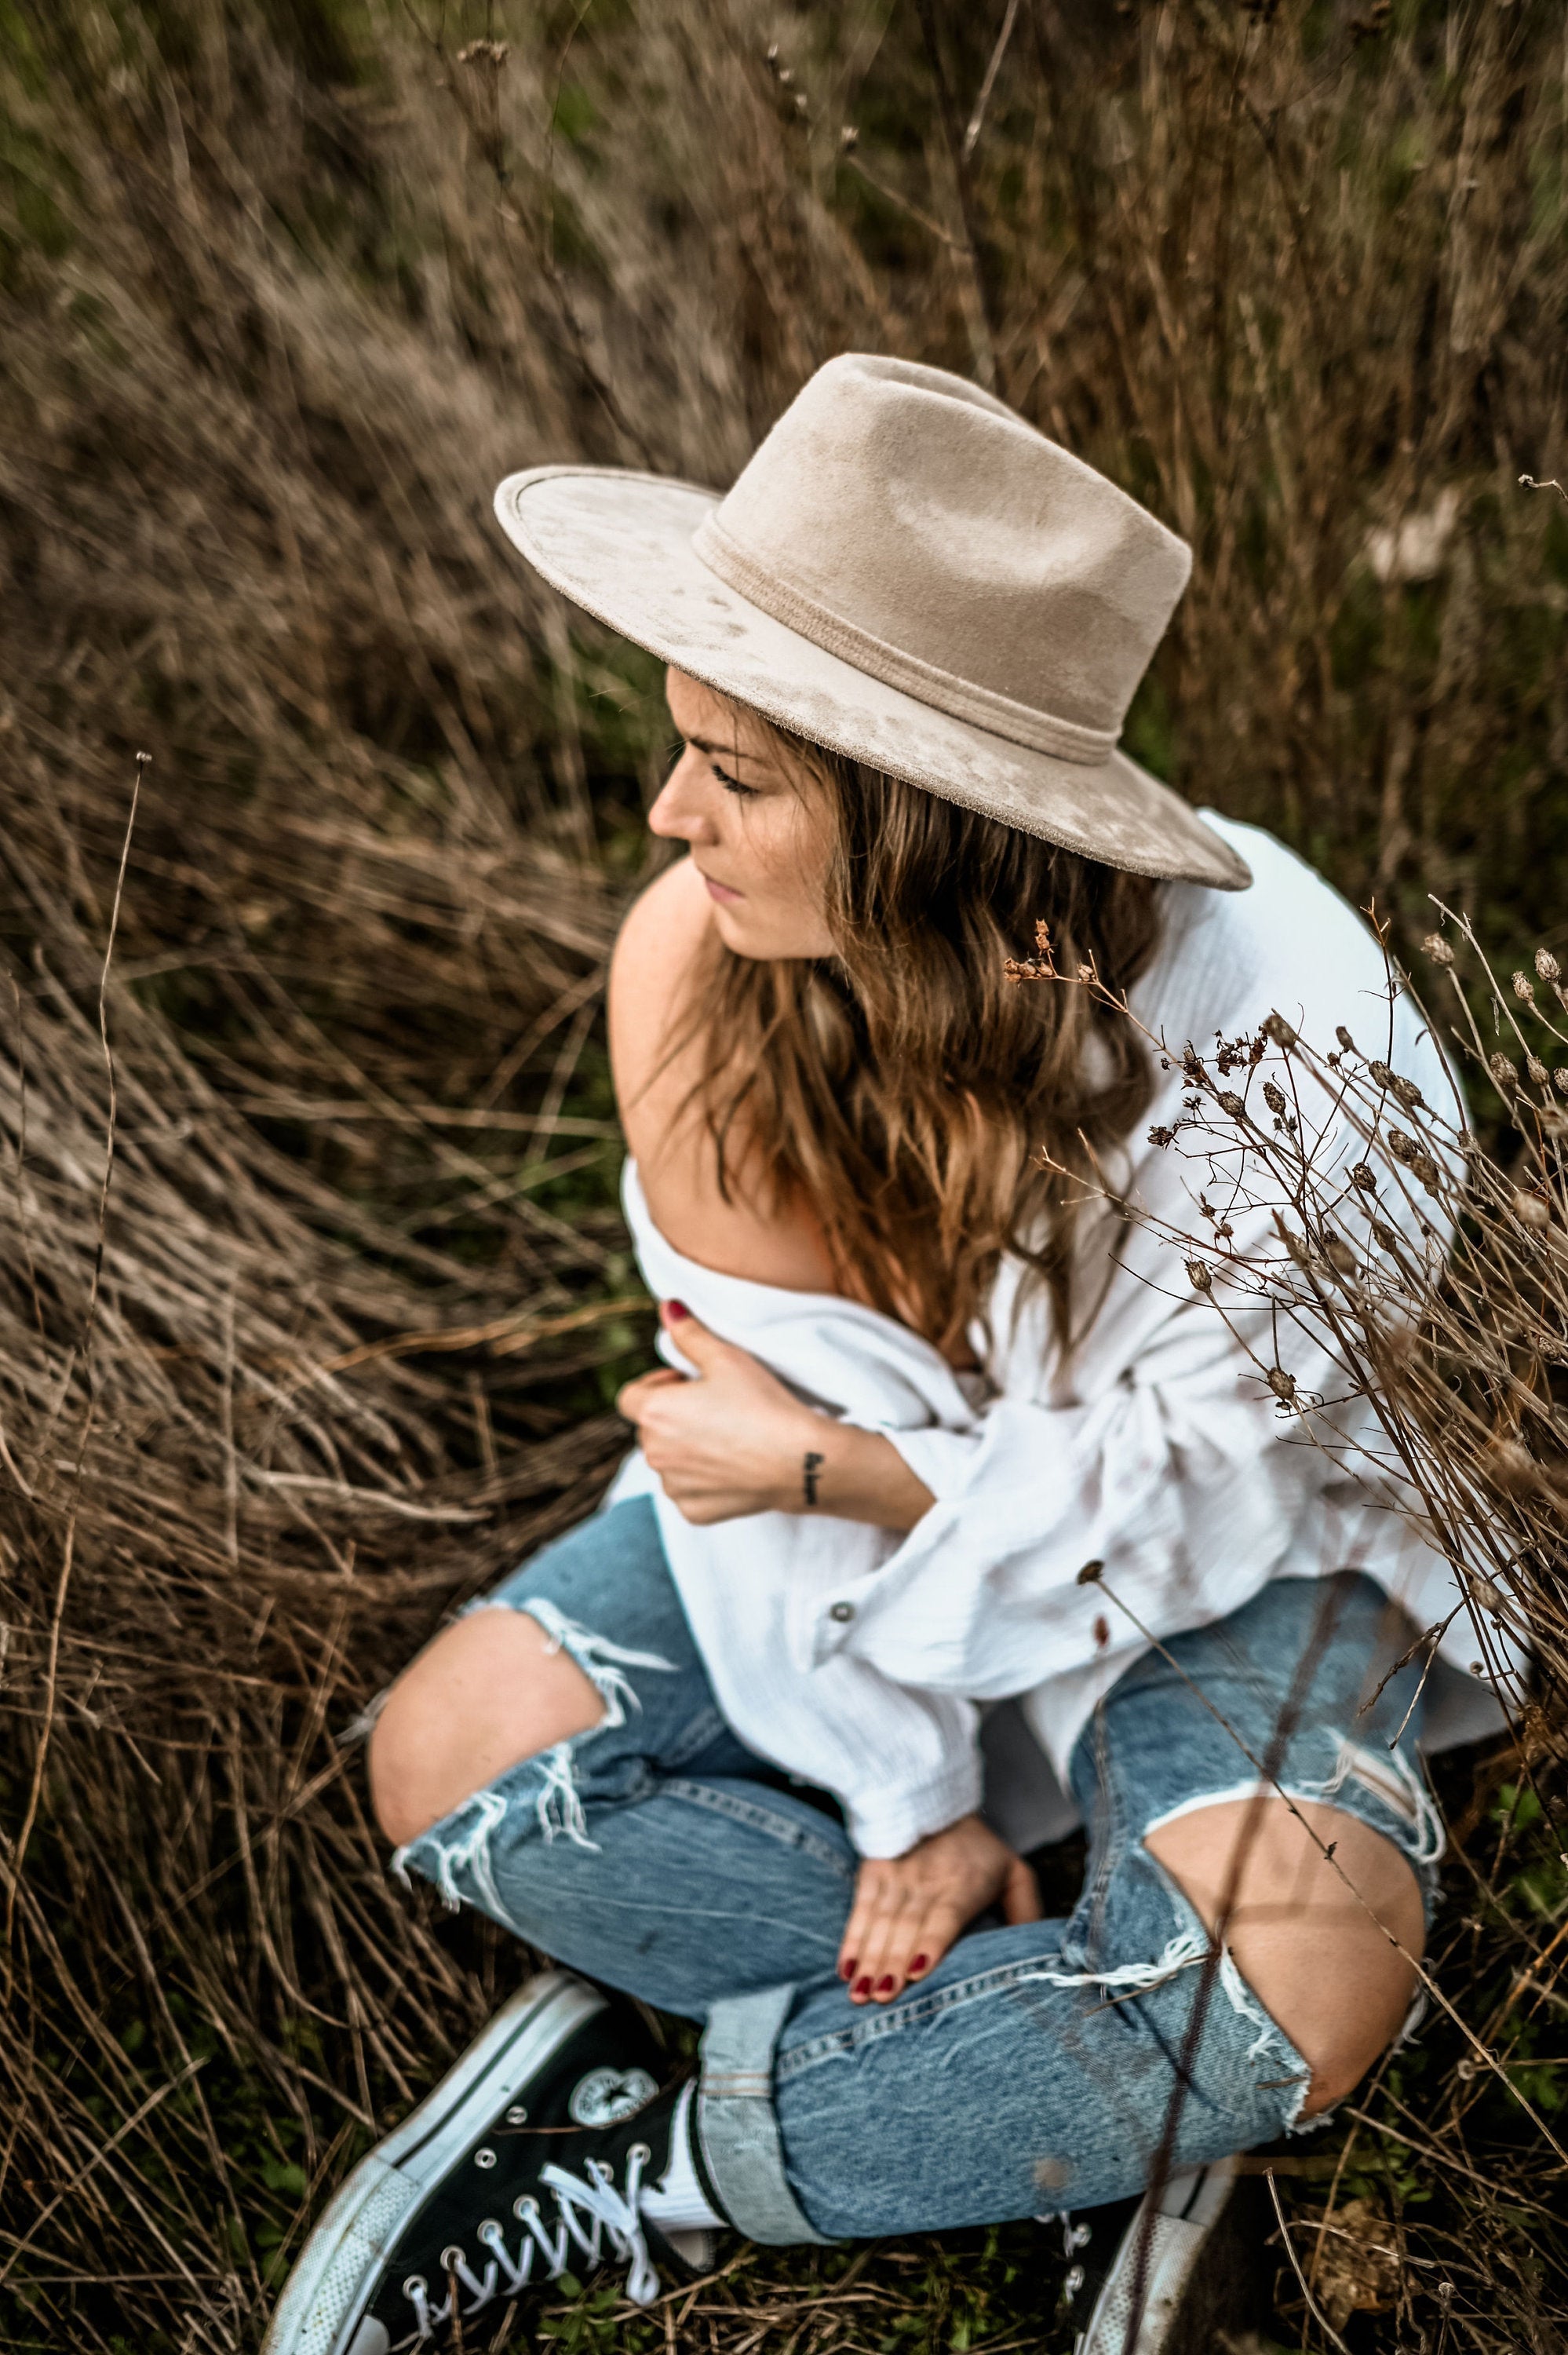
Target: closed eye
731,785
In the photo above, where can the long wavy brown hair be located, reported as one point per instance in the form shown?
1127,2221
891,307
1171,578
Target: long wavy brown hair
928,1113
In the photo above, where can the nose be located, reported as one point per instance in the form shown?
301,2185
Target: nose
683,810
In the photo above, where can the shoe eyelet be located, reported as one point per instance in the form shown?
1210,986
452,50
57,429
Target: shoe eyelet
490,2232
452,2258
485,2156
524,2206
517,2115
416,2286
639,2150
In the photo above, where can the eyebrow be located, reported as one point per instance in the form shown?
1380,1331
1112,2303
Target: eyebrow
723,751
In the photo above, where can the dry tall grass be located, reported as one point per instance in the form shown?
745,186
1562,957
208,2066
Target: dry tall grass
284,288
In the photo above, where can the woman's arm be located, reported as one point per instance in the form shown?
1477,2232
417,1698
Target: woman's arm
735,1442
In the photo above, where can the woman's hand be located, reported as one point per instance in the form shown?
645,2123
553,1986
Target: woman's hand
732,1443
909,1909
737,1441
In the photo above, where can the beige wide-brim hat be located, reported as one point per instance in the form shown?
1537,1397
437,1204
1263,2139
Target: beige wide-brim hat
910,574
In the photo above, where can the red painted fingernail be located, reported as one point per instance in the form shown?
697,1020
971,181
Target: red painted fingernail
919,1964
862,1986
676,1311
885,1987
846,1970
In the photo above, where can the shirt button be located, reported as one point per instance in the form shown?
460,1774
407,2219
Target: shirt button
842,1611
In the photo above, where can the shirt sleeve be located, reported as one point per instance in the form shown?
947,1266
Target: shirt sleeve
1184,1484
902,1763
1186,1473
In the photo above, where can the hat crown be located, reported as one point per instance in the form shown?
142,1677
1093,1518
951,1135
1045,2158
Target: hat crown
898,514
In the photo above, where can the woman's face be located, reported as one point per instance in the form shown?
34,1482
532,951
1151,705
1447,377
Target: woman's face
758,835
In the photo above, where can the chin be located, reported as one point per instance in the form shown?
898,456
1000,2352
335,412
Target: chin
762,942
740,933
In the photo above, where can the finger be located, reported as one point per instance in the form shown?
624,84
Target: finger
1020,1894
631,1398
888,1947
857,1929
870,1964
931,1937
693,1338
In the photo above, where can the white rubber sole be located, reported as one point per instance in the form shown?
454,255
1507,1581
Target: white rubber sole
325,2297
1172,2232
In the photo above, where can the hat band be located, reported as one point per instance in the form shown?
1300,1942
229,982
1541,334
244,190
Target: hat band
961,698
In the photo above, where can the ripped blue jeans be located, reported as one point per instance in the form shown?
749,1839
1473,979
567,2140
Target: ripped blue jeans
1037,2067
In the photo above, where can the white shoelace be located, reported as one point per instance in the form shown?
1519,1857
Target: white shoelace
597,2201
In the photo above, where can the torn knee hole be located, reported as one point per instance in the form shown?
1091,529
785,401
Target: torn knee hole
603,1663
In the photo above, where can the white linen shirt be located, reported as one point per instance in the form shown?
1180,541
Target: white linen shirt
855,1658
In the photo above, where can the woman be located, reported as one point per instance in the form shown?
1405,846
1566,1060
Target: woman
936,1371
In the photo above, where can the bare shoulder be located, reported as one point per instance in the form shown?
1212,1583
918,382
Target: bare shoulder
658,1049
652,974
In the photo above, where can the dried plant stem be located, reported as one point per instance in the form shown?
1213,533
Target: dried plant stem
1312,2307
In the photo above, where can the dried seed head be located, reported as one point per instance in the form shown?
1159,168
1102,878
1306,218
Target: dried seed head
1402,1148
1344,1038
1547,966
1362,1177
1381,1074
1163,1136
1296,1247
1386,1238
1339,1255
1425,1172
1523,988
1560,1079
1201,1279
1512,1467
1491,1597
1273,1097
1280,1032
1538,1074
1230,1102
1503,1073
1282,1385
1531,1211
1406,1092
1437,949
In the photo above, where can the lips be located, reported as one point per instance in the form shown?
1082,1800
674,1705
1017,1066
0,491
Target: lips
717,890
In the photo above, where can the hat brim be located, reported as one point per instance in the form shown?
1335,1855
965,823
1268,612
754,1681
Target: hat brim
620,545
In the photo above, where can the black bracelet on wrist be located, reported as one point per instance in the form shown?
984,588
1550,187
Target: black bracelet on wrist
810,1470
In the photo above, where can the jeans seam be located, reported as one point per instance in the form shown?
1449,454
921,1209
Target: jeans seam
782,1828
1107,1852
705,1728
908,2013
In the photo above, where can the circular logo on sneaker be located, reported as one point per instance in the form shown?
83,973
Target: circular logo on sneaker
605,2096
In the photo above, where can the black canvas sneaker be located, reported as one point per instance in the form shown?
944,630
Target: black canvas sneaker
528,2161
1182,2271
